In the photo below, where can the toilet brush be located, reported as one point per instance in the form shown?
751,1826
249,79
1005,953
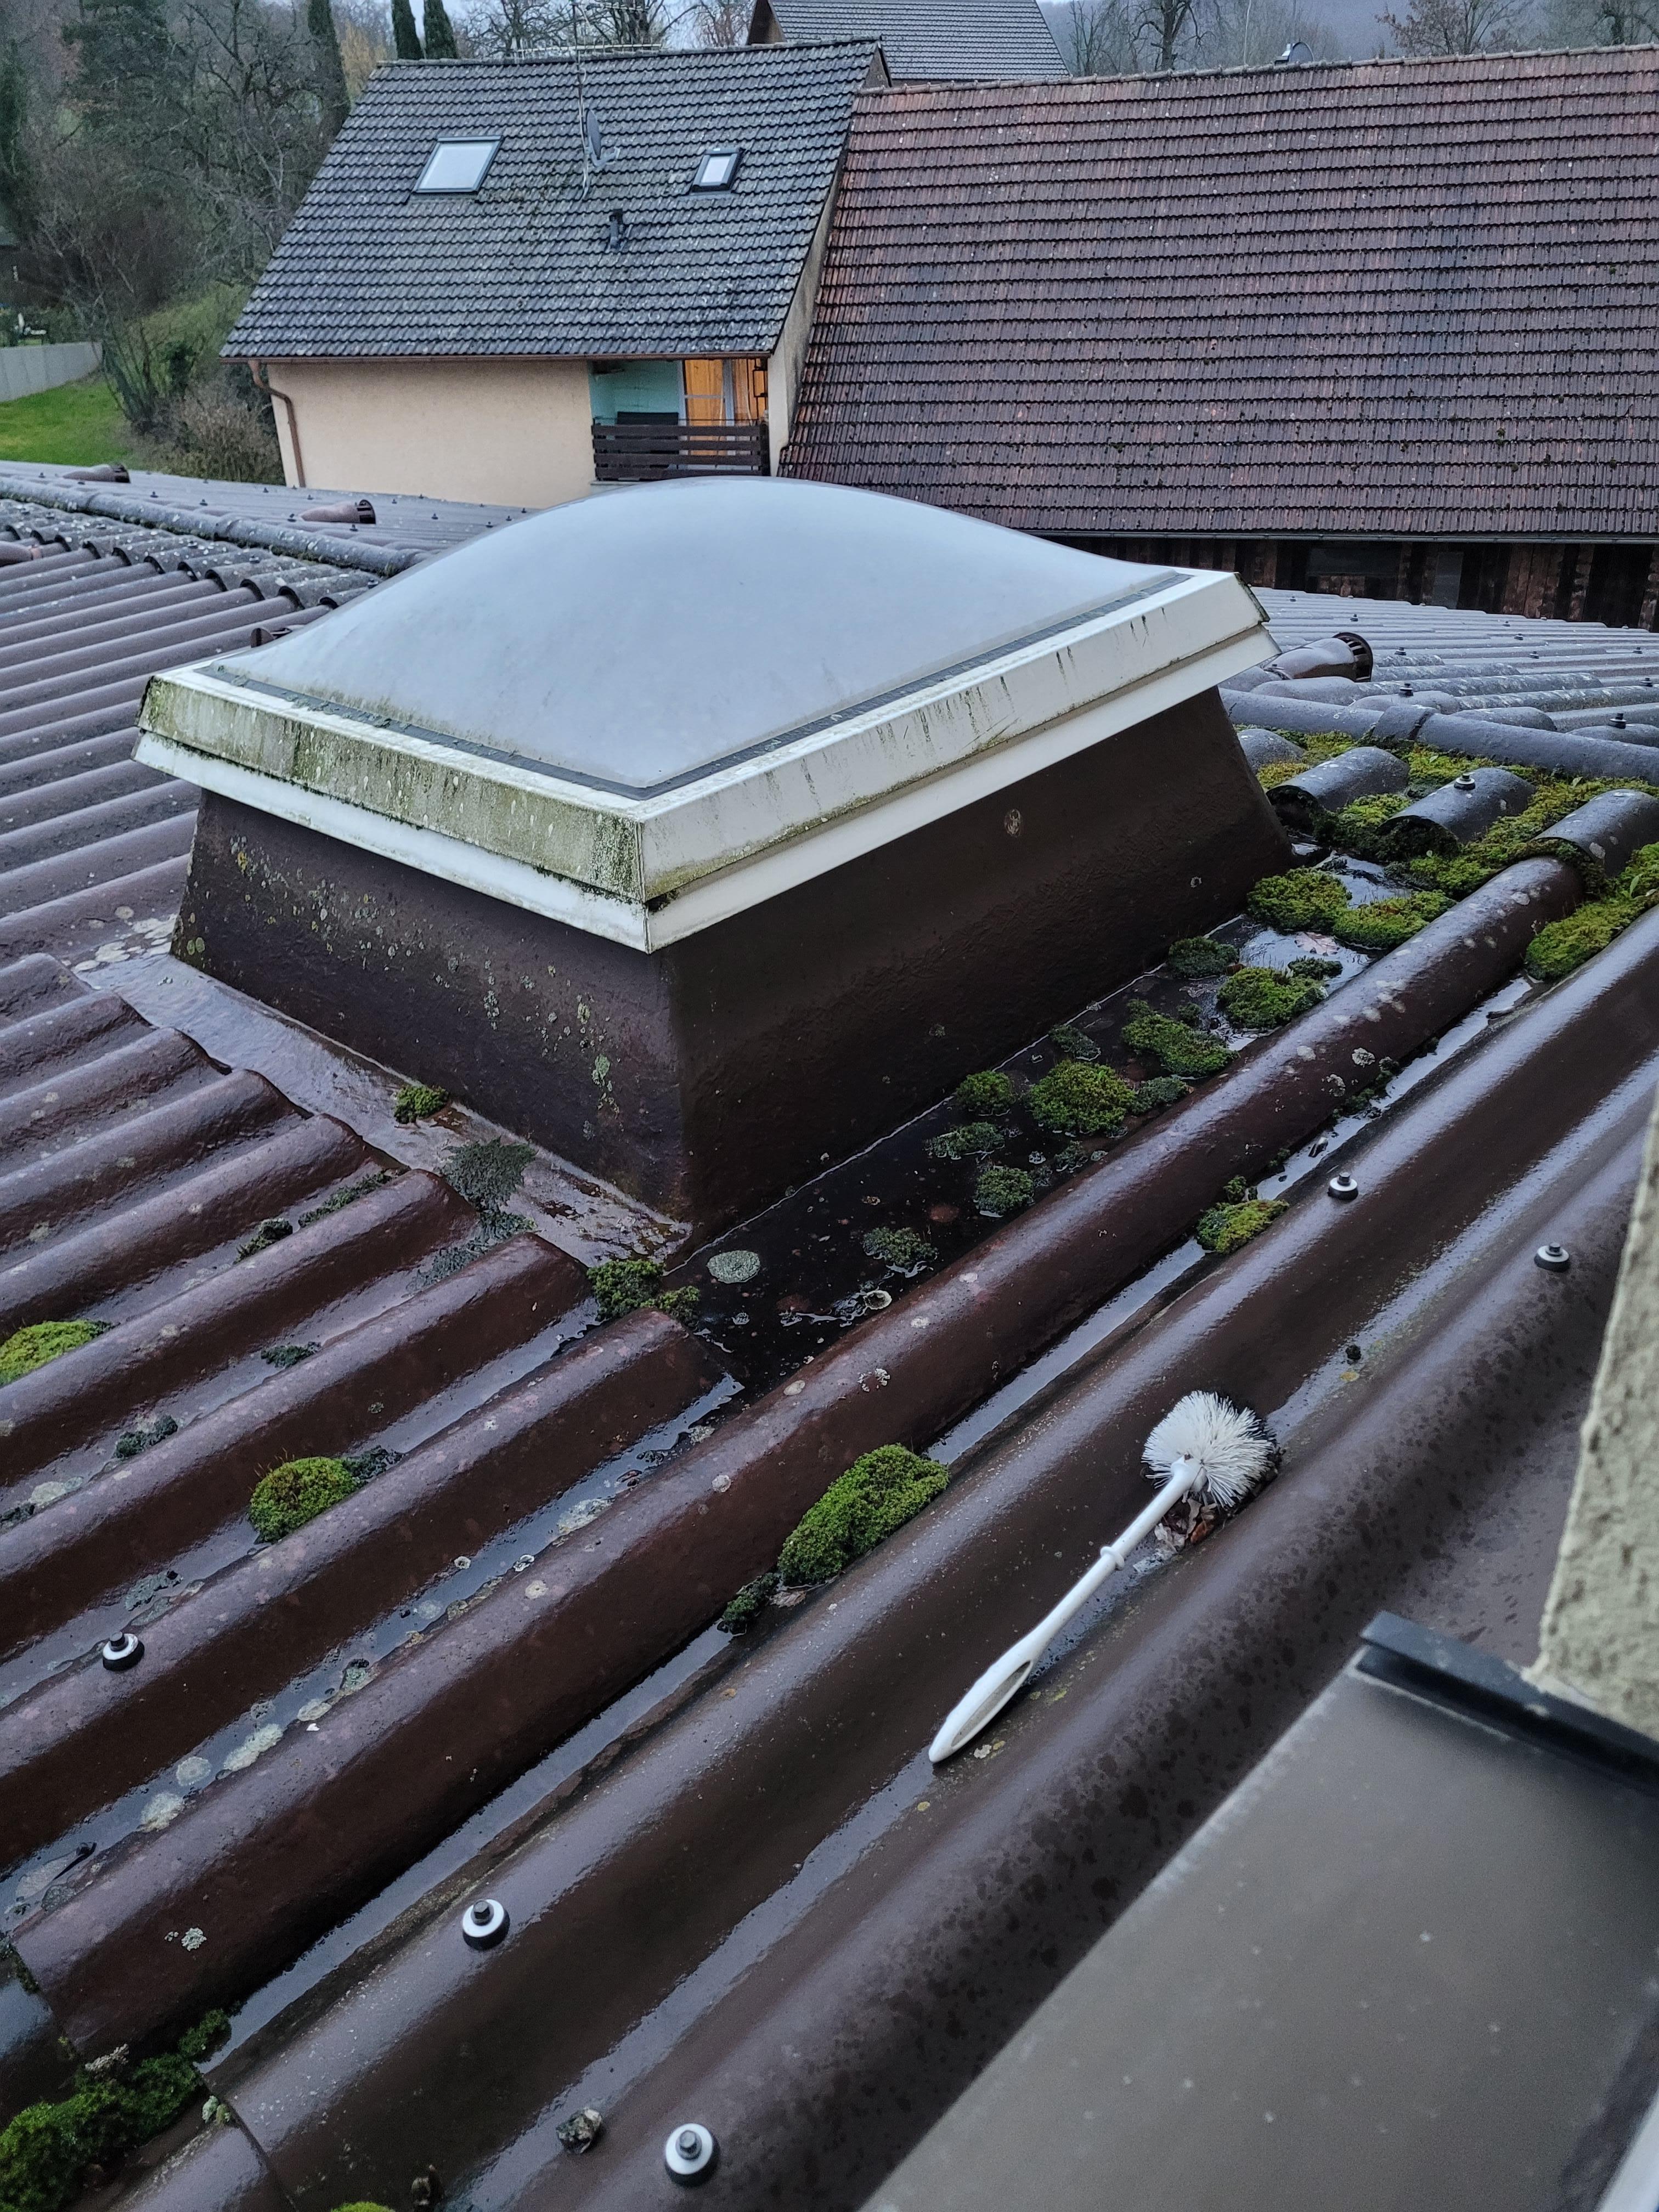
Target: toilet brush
1204,1449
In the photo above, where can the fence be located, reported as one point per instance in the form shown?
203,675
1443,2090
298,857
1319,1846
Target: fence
26,368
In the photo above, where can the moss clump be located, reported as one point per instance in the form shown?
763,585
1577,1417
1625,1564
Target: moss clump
1190,957
415,1102
1178,1048
1312,967
1387,922
364,2207
1232,1222
1077,1101
49,2151
1155,1093
270,1232
487,1175
1313,750
901,1250
348,1196
289,1355
1072,1043
968,1140
1561,946
626,1286
1640,880
1266,998
988,1092
1003,1190
43,1341
140,1440
1305,899
201,2041
1361,827
295,1492
877,1493
750,1601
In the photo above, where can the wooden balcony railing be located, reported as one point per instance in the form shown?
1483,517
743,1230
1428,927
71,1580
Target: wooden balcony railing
641,452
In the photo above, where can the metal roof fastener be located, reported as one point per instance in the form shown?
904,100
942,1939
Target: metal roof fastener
122,1652
1343,1187
1554,1258
689,2153
484,1922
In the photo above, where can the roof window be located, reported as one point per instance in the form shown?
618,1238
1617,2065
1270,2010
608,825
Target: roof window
457,165
717,171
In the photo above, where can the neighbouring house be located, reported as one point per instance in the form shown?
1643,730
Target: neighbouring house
1377,328
925,40
511,280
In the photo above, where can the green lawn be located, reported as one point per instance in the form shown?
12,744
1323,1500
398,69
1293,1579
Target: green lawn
80,424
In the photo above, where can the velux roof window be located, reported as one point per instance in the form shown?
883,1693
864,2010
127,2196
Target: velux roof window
717,171
457,165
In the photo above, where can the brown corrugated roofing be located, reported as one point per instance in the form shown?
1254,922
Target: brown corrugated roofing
1399,297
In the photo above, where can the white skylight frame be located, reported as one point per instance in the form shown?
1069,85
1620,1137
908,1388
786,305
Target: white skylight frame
717,172
450,174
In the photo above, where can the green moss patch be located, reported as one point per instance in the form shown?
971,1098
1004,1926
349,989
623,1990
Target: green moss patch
43,1341
1561,946
1177,1047
1361,827
1307,898
487,1175
295,1492
1266,998
1231,1224
49,2150
750,1601
348,1196
289,1355
1190,957
901,1250
1074,1100
137,1441
968,1140
877,1494
1640,880
987,1092
1071,1042
626,1286
1157,1093
1387,922
416,1102
270,1232
1003,1190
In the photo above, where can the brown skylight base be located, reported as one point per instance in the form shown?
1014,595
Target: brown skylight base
707,1077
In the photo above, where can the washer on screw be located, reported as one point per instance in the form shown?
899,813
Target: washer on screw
1555,1258
690,2152
122,1652
1343,1187
484,1922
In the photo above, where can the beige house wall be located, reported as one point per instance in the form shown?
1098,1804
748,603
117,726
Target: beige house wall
783,368
509,433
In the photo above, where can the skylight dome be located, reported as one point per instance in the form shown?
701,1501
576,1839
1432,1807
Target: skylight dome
717,171
457,165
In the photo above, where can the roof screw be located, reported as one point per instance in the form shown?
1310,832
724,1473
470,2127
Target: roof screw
122,1652
1462,783
484,1922
1343,1188
1555,1259
690,2153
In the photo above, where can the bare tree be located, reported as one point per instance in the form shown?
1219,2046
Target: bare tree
1246,33
1460,27
507,28
1097,37
719,22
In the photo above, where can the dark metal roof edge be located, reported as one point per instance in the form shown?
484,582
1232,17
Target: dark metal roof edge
1465,1679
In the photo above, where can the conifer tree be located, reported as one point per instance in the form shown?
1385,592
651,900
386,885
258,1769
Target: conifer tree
405,39
440,36
331,69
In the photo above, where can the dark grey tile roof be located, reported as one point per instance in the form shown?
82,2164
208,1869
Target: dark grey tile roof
1007,38
523,266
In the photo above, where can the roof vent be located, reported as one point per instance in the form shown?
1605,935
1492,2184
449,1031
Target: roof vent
457,165
618,234
717,171
1296,55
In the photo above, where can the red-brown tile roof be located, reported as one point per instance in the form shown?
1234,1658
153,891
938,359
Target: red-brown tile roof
1397,297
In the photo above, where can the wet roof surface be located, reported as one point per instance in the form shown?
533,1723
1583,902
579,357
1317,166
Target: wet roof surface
934,39
542,1457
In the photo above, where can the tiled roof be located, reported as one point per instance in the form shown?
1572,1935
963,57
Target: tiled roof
523,266
1384,298
933,38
